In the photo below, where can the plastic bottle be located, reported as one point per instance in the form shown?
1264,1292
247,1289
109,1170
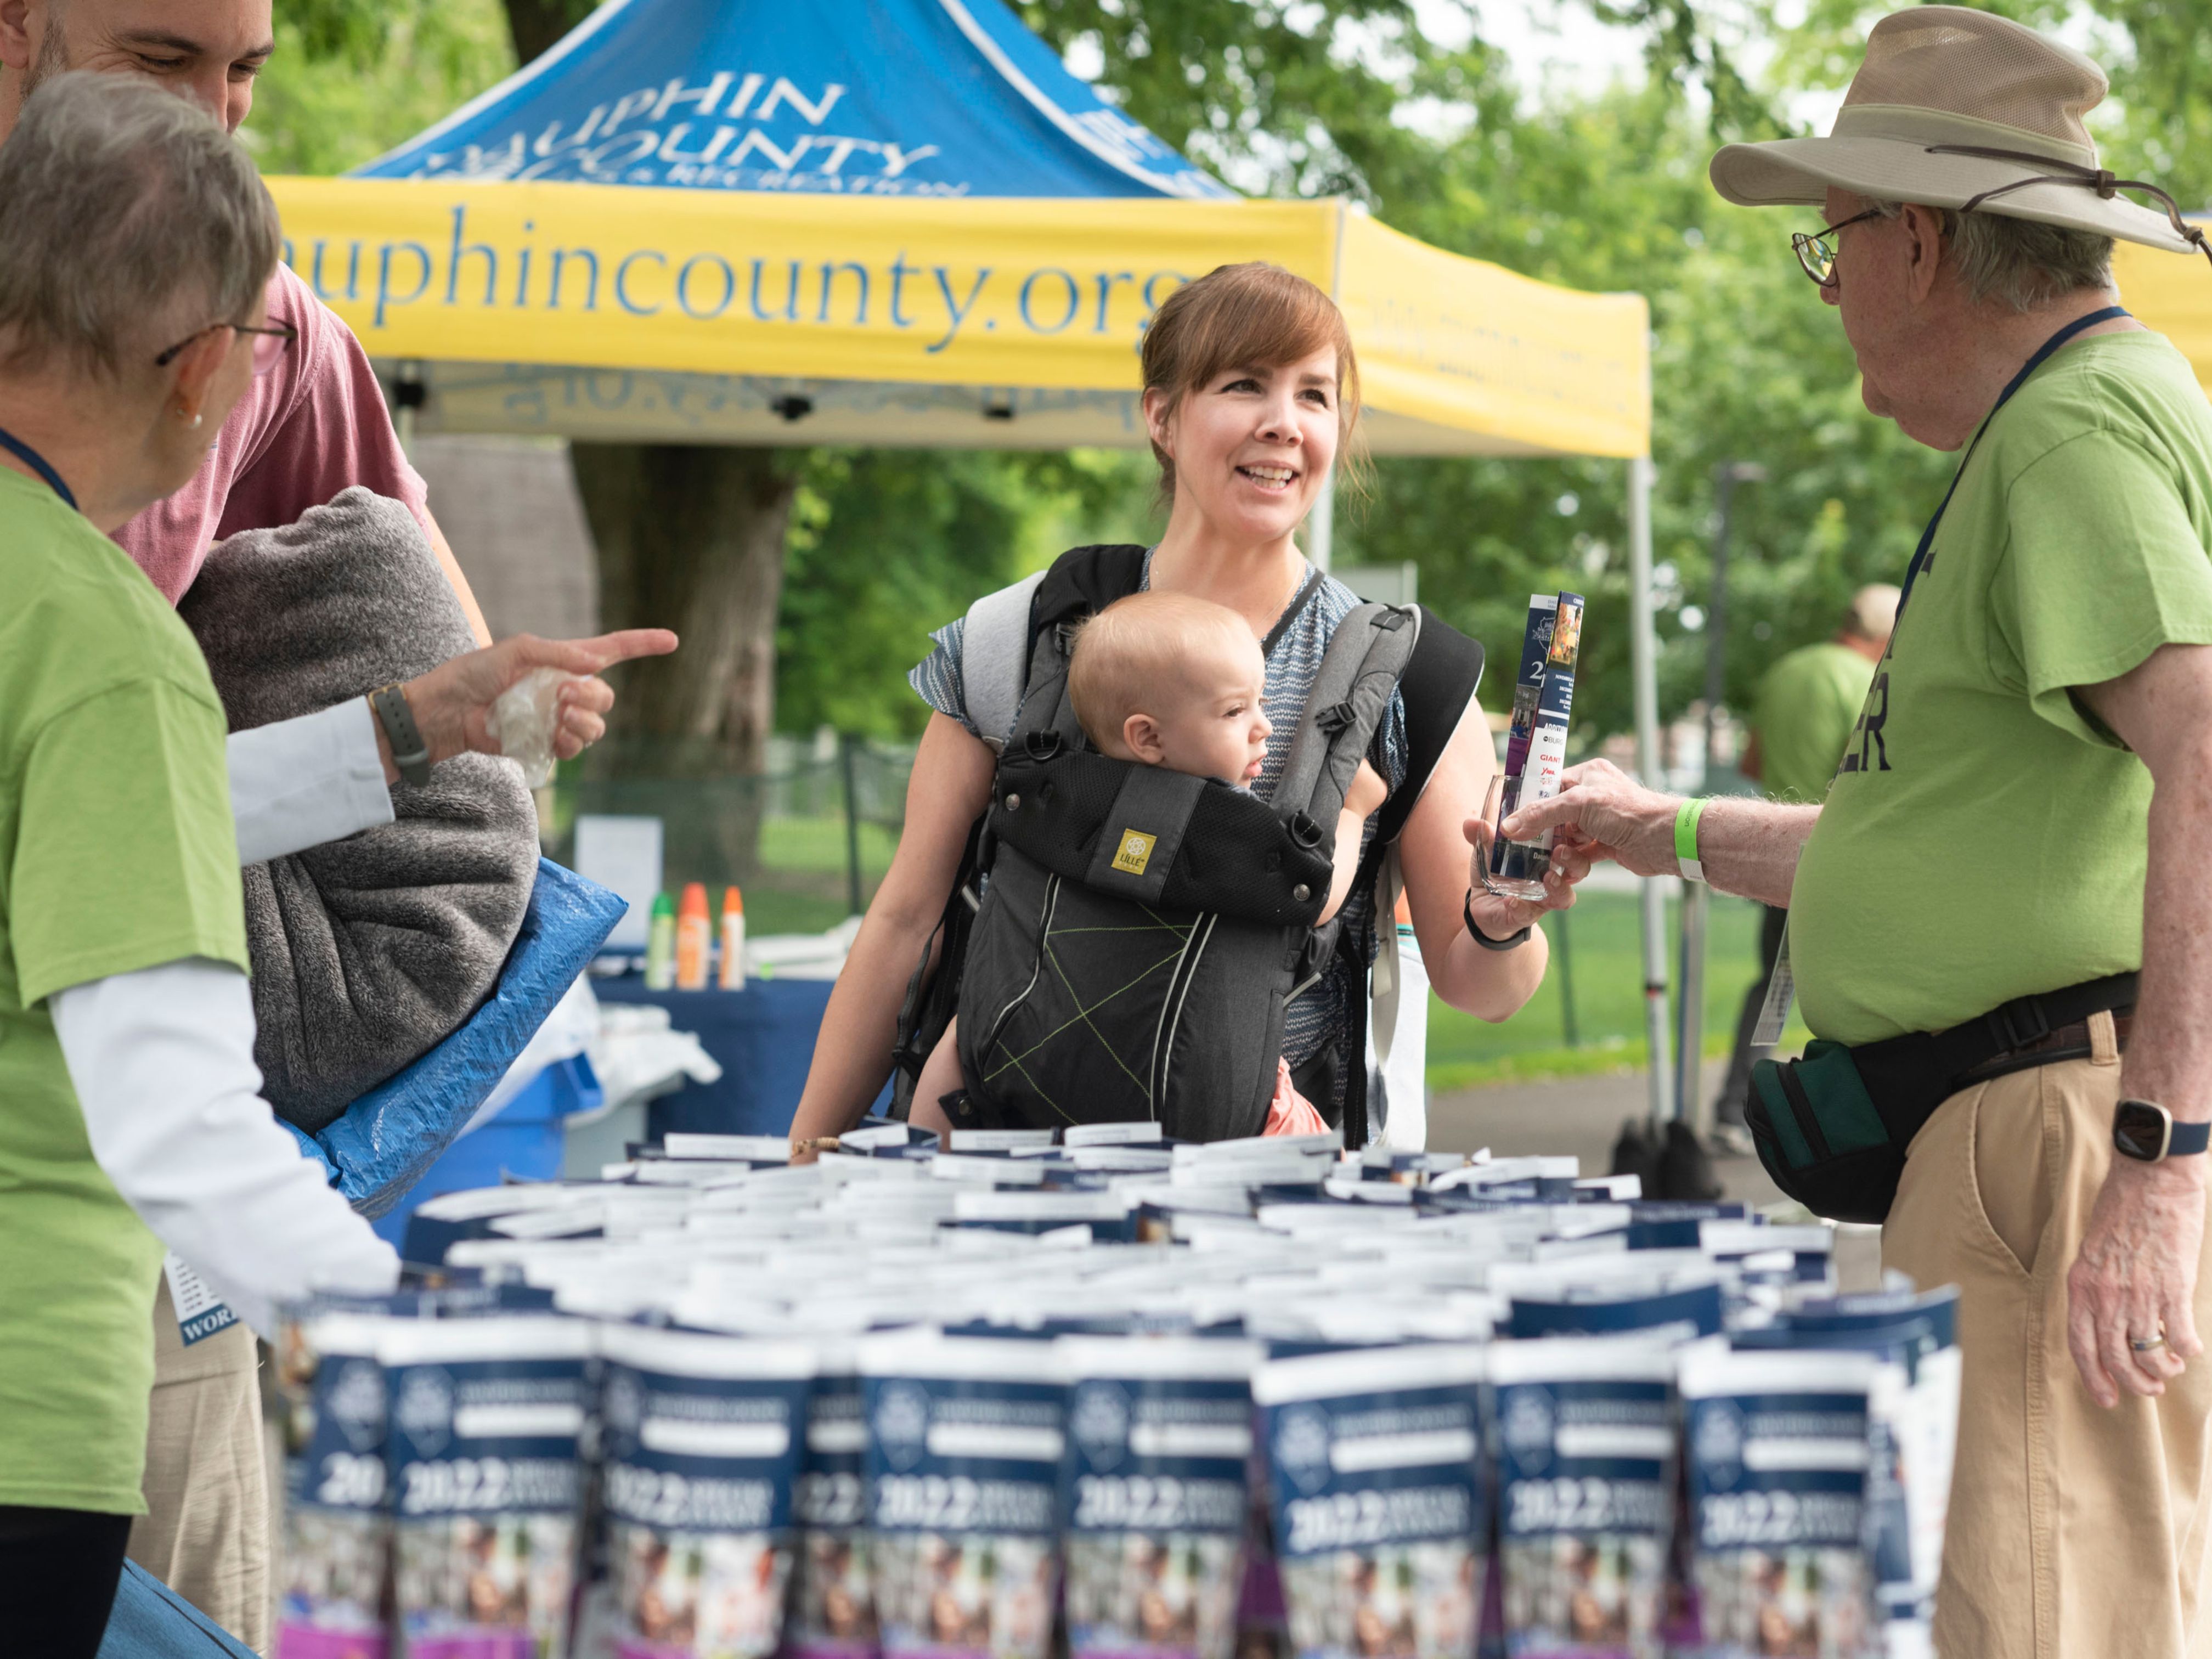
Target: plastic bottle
693,935
660,945
732,976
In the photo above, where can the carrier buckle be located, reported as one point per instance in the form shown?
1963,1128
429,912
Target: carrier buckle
1041,745
1304,831
1335,718
2019,1023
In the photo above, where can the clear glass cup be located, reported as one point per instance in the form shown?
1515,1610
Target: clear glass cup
1514,869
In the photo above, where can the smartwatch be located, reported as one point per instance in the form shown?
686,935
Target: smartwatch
2146,1131
410,756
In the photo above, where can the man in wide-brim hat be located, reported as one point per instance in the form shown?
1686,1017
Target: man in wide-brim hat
2022,826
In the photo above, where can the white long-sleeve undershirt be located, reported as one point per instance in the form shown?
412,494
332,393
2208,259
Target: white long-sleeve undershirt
162,1063
162,1060
297,783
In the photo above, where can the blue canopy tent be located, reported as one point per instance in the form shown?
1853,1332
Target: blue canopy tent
970,104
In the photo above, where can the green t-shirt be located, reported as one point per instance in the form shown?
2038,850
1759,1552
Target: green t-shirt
1807,704
116,852
1984,840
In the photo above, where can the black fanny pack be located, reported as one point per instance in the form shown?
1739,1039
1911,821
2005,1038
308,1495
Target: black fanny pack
1832,1128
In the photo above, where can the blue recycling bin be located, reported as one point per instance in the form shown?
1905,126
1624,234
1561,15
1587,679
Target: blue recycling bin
523,1143
762,1037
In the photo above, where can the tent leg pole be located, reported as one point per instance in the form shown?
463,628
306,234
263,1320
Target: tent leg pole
1644,656
1320,524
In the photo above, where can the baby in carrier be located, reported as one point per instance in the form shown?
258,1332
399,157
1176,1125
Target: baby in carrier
1174,680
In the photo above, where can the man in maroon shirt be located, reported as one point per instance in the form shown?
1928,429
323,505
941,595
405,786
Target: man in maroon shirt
313,424
310,427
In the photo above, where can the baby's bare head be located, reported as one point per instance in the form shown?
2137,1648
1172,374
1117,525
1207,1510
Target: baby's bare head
1172,680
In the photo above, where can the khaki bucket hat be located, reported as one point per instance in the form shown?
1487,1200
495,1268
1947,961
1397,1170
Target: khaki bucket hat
1962,109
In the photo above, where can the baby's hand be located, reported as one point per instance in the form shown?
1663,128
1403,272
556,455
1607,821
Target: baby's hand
1367,791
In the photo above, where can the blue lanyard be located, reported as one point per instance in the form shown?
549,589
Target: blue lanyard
2042,354
37,463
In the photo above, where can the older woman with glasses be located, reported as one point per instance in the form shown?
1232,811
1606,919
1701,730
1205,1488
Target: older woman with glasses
129,1115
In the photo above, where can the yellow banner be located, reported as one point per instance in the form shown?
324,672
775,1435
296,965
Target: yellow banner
996,291
1462,346
2173,293
1457,356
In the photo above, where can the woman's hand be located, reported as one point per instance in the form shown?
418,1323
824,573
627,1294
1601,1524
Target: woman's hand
452,702
1498,916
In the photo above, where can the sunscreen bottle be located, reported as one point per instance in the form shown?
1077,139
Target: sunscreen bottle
694,934
732,976
660,945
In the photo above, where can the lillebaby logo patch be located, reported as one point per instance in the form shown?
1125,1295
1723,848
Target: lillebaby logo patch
1136,852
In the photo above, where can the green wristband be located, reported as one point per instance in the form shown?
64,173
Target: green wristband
1685,838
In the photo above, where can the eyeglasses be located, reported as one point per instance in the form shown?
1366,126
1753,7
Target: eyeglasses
1815,253
270,344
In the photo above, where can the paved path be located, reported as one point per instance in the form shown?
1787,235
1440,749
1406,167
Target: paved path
1583,1116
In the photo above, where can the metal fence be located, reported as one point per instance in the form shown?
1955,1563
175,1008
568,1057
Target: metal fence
808,841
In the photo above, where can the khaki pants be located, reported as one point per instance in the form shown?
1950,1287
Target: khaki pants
206,1535
2075,1533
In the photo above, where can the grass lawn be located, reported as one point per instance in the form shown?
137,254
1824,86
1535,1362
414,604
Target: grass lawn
1605,957
801,888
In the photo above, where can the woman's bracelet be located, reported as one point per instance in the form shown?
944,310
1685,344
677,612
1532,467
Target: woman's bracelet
1511,942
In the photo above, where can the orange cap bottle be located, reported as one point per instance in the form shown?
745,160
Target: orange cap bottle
693,933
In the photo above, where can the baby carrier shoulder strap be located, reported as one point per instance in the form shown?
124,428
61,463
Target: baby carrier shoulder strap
1002,627
996,646
1437,684
1366,656
995,658
1439,687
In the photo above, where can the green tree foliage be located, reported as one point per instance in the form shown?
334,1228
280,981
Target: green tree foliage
887,545
1283,99
352,78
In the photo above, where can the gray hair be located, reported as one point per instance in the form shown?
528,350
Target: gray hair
2022,264
128,211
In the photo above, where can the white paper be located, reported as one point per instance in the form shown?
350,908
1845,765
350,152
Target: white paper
1774,1012
622,853
200,1312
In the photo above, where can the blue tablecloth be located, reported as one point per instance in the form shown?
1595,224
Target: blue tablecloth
763,1037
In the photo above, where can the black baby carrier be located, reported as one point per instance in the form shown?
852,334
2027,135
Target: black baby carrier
1142,933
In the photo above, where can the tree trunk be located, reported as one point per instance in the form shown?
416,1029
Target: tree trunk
692,538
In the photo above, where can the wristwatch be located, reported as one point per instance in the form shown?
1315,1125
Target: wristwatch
1510,942
409,752
2146,1131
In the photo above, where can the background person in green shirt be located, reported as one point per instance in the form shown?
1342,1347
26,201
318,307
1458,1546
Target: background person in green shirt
2024,808
1807,704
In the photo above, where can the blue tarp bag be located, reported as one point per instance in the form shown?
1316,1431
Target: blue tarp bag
382,1144
152,1621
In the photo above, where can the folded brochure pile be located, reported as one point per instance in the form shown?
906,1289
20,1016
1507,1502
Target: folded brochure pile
1116,1397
